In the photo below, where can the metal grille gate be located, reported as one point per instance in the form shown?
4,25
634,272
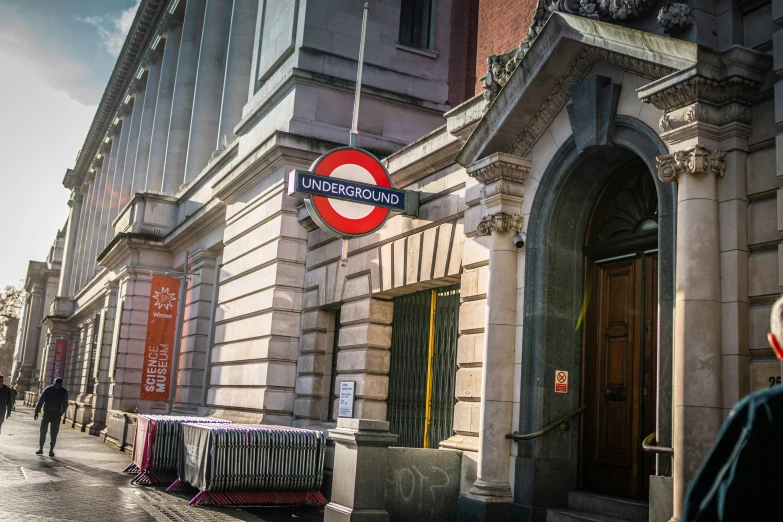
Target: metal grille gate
424,340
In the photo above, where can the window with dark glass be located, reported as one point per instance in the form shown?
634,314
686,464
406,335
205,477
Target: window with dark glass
415,23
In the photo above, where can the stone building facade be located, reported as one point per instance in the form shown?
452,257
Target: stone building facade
608,204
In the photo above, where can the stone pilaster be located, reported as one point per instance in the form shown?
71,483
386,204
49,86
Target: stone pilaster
363,354
171,29
86,258
176,148
129,183
147,118
196,325
101,394
314,365
27,380
502,176
697,395
93,226
71,233
111,146
238,65
118,167
205,118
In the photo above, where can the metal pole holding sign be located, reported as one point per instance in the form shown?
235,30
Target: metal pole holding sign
357,96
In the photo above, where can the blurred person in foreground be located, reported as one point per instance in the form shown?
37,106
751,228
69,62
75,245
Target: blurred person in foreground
54,401
6,402
740,480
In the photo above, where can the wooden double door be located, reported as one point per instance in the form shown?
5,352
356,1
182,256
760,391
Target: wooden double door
619,368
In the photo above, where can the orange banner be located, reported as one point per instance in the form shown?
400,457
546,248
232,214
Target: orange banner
158,352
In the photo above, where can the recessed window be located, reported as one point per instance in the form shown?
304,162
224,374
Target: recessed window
416,23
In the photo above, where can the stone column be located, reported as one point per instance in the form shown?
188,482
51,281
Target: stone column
172,31
502,176
238,65
127,187
118,166
182,103
32,336
71,234
205,118
697,393
147,118
359,478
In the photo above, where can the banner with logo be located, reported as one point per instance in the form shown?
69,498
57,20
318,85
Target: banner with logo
60,352
159,349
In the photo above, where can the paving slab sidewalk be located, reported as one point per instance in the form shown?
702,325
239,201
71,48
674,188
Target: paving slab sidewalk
84,482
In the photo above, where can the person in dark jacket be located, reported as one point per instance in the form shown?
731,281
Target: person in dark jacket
54,401
740,479
6,402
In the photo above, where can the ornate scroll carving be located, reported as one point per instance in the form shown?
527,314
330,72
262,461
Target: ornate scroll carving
734,89
499,222
695,160
500,170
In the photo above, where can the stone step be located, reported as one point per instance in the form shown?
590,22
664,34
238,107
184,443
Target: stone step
607,505
573,515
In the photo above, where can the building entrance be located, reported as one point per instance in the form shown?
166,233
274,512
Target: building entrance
423,367
620,335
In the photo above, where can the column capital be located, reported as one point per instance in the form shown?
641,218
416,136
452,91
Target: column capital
500,166
154,57
169,22
694,160
137,85
500,222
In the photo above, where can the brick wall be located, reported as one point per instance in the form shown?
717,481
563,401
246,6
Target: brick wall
462,56
502,24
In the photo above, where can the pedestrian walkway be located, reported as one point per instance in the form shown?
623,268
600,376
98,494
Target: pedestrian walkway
84,482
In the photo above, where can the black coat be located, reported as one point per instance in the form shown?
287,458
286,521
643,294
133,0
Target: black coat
54,399
6,400
740,480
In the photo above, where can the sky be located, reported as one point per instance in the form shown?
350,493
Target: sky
56,57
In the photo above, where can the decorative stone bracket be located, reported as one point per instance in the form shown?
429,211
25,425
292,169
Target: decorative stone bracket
695,160
500,222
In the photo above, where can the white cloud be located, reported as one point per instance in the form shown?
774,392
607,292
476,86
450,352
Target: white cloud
113,27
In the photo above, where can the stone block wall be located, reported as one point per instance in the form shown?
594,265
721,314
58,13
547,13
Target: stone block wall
257,319
196,327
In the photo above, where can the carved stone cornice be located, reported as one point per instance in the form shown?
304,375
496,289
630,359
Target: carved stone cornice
700,89
695,160
560,95
500,222
706,113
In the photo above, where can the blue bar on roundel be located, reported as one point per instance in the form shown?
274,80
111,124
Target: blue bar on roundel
303,182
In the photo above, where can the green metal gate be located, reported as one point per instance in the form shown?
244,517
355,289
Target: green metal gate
423,367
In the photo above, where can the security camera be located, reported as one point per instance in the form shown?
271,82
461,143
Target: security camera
519,239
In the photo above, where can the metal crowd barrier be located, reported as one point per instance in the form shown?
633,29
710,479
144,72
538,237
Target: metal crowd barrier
157,447
234,464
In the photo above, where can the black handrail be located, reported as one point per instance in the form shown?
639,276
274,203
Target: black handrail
649,444
563,422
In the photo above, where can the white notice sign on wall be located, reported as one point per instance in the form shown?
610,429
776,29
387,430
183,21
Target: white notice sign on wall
346,399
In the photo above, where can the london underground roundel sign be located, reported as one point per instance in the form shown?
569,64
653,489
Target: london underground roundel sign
349,193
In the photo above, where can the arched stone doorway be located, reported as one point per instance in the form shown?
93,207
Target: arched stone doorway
548,467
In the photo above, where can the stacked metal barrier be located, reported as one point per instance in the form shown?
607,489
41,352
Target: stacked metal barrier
158,446
233,464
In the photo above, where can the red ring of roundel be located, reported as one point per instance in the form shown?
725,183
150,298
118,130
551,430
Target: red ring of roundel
338,222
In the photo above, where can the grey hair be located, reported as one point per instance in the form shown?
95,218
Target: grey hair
776,319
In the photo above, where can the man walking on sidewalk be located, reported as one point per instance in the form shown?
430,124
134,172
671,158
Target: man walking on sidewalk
54,401
6,402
